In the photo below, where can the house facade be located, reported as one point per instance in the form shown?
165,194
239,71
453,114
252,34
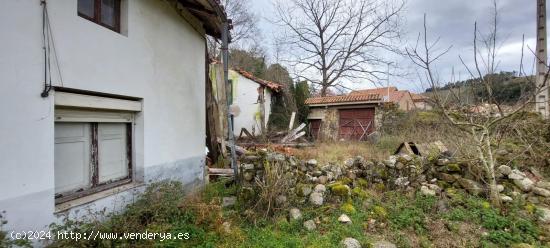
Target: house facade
104,98
251,101
422,102
403,99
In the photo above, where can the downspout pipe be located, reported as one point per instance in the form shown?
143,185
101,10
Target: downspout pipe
225,55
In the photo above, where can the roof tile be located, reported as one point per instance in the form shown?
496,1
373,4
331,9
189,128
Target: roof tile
344,99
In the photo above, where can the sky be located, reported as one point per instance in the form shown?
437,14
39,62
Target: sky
453,22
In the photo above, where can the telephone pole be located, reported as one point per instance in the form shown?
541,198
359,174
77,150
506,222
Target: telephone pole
541,100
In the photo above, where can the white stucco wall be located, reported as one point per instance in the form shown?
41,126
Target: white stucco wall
245,99
159,59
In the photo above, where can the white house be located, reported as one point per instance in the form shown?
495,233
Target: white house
251,101
113,102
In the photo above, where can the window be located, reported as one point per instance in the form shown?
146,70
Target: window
103,12
90,156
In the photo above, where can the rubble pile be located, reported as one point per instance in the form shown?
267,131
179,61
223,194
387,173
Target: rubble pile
434,175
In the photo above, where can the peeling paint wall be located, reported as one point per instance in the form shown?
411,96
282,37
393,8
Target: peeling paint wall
246,105
329,125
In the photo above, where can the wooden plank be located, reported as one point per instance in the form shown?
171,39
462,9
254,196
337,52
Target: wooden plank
291,124
220,171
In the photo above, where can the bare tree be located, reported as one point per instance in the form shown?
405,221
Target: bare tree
481,127
339,40
245,30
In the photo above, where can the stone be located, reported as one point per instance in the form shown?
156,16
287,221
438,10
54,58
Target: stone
443,161
471,186
319,188
446,177
316,198
312,162
229,201
317,173
280,200
500,188
322,179
304,190
344,219
501,152
407,157
543,184
310,225
544,216
541,191
295,214
349,162
434,187
505,198
504,170
524,184
248,176
390,162
516,175
383,244
402,181
399,165
350,243
453,168
248,167
427,191
351,175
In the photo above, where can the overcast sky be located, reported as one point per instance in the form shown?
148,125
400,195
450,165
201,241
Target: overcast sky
453,22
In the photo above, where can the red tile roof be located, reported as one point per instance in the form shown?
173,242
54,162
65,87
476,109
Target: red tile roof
418,97
394,94
380,91
374,98
269,84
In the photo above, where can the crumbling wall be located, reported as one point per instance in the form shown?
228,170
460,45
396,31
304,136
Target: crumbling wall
330,125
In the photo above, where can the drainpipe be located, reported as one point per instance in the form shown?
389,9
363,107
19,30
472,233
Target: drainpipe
225,41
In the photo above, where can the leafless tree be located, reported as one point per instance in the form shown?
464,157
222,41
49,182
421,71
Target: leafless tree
481,126
245,30
339,40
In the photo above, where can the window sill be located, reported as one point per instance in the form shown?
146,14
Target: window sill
62,207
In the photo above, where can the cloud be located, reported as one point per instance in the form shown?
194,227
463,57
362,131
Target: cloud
452,21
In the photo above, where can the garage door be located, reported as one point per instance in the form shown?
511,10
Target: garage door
356,124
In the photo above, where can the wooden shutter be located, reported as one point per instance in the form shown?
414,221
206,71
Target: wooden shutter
72,156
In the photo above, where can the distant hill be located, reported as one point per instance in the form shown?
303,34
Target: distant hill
507,88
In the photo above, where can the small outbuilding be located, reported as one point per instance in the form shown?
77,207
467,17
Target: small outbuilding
347,117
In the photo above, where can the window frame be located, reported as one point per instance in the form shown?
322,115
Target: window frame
96,186
97,15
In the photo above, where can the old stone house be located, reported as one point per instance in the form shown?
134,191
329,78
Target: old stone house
347,117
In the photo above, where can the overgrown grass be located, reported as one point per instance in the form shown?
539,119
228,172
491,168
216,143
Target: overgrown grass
409,220
338,152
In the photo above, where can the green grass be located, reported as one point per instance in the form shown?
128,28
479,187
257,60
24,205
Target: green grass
403,219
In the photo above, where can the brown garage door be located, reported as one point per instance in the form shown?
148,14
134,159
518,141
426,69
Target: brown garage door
353,122
314,128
